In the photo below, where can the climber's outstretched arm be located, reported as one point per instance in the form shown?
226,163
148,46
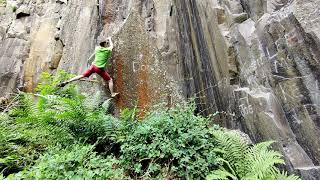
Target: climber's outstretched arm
91,58
110,43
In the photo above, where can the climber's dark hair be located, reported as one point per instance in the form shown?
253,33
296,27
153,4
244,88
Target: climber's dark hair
103,43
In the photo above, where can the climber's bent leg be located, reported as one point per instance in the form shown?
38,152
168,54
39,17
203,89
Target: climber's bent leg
104,74
113,94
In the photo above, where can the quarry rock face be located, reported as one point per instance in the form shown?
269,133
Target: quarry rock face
256,63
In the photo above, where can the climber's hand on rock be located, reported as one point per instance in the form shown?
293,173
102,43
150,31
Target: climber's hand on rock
110,42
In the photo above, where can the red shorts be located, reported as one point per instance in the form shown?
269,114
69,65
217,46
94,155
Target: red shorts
100,71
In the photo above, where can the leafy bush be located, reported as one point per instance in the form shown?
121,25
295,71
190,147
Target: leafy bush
171,142
74,162
240,161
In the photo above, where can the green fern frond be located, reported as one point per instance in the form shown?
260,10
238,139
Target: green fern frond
221,174
261,161
239,161
284,176
235,149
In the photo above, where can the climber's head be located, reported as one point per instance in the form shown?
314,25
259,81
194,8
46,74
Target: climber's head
103,43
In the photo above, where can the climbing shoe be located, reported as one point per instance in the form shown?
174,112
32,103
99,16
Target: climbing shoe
114,94
63,84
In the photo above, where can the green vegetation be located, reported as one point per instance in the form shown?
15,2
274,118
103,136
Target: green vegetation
59,134
168,144
240,161
74,162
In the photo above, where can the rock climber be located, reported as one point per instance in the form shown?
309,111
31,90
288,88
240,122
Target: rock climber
102,54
